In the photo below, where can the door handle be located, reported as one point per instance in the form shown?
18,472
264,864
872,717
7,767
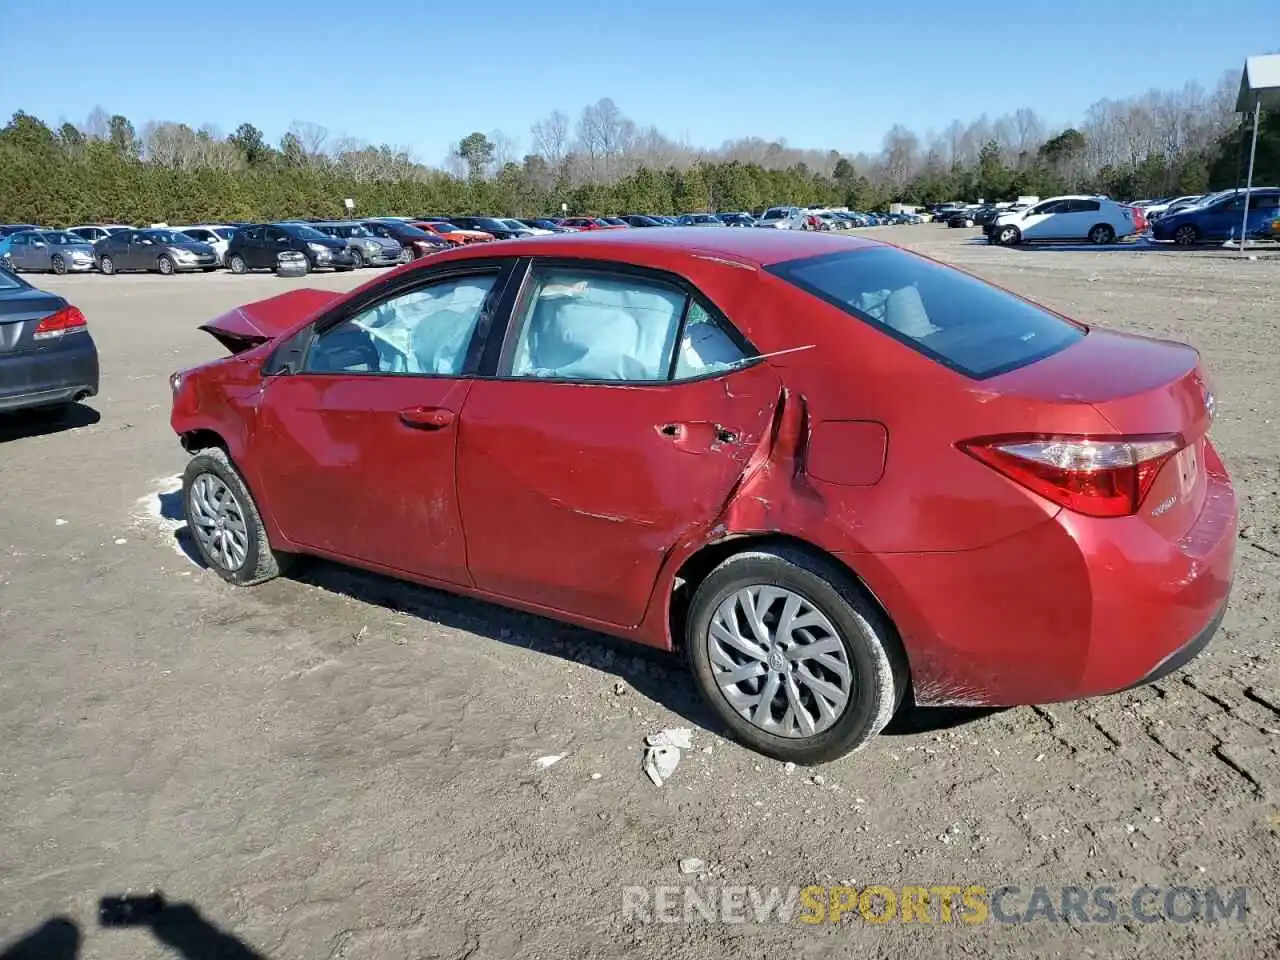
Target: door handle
426,418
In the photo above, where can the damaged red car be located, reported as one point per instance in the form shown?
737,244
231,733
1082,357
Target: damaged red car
834,473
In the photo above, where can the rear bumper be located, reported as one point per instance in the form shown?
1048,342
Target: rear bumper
1074,607
58,374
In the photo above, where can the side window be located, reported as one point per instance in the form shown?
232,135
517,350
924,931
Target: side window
424,331
1084,206
276,235
1267,201
705,347
590,325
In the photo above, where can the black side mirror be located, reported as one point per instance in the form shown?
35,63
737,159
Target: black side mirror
287,357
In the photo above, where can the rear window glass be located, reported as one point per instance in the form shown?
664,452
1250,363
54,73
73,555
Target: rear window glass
957,320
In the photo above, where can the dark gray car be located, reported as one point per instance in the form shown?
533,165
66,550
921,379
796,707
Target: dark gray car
54,251
47,358
164,251
365,246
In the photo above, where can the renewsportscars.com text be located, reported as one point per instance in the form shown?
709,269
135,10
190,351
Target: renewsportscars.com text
968,904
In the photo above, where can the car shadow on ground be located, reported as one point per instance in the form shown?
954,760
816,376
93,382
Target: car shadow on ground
178,926
656,674
38,423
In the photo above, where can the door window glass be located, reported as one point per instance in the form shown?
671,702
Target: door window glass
590,325
424,331
705,347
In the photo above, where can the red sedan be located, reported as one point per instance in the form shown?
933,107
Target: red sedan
829,470
591,223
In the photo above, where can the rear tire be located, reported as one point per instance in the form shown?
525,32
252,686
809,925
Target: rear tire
224,521
237,264
859,656
1187,235
1102,235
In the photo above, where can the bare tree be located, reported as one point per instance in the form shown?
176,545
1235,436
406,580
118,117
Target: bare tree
505,149
312,138
1030,130
551,138
454,165
97,126
901,156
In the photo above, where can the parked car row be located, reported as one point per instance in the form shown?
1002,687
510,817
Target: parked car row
1185,221
240,247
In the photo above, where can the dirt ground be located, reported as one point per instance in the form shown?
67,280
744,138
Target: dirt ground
337,766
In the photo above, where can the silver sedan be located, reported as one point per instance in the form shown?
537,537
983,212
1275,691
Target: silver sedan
52,251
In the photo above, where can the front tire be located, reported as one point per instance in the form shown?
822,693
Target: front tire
793,656
357,259
224,522
165,265
1008,236
58,265
107,266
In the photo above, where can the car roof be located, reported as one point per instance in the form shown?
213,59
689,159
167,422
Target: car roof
752,247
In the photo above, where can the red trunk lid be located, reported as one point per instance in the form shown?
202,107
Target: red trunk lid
1142,388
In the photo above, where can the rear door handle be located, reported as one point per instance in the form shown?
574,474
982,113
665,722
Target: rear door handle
426,418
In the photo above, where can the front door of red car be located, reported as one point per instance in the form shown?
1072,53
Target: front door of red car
356,449
592,453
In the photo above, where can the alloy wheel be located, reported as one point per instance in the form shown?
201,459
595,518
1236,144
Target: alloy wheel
779,661
218,522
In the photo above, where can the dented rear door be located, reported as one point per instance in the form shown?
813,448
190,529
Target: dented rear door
573,493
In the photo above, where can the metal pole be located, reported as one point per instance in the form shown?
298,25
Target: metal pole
1253,151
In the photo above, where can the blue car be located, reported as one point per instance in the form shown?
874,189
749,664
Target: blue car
1216,218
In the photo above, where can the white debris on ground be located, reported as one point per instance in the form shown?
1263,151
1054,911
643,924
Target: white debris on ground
662,752
681,737
692,865
149,513
542,763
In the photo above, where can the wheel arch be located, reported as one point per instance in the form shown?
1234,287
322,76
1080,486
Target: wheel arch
203,438
702,561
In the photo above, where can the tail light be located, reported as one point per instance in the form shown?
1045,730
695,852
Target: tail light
67,320
1139,218
1095,476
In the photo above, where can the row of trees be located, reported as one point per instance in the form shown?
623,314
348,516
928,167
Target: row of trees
105,169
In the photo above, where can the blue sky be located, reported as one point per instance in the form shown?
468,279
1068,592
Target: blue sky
827,73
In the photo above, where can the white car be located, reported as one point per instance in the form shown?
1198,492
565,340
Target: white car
92,233
216,235
782,218
521,225
1095,219
1156,210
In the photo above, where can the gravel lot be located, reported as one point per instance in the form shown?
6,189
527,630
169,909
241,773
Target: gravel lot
335,765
